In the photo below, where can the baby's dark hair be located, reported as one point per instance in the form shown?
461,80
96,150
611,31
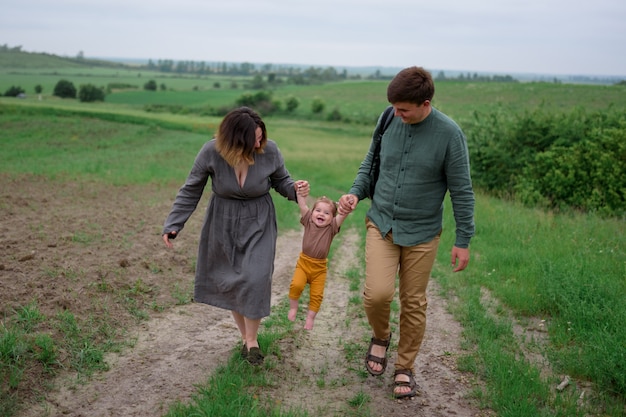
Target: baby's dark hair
324,199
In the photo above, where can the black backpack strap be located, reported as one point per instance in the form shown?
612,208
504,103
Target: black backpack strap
385,121
387,118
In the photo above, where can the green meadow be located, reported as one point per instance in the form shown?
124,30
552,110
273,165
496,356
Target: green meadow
528,265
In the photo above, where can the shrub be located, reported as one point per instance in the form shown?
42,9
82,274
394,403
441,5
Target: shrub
334,115
90,93
564,160
150,85
553,160
292,103
589,176
261,101
64,89
14,91
317,106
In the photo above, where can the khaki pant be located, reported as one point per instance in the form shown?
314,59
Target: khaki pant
312,271
384,261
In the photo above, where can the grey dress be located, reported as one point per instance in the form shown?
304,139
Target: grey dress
238,238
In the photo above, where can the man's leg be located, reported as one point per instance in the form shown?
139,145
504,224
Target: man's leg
381,267
415,268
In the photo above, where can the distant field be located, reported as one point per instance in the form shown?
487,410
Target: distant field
359,101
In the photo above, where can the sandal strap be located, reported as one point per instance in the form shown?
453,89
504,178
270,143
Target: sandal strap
381,342
406,372
377,359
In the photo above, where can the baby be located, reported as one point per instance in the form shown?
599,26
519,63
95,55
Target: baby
321,224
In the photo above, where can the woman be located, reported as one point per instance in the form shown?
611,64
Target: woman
238,238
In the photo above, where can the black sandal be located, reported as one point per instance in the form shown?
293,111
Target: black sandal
410,383
254,356
371,358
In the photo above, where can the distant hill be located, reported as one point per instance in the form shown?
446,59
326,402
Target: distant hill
383,72
16,58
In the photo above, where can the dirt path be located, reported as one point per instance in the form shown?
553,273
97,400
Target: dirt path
319,356
178,348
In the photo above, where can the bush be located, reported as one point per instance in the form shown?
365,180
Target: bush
14,91
64,89
589,176
335,115
260,101
317,106
572,160
292,103
90,93
150,85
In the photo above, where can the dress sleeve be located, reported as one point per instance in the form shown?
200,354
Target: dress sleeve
280,179
190,193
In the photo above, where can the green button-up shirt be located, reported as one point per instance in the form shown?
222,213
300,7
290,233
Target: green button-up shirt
419,163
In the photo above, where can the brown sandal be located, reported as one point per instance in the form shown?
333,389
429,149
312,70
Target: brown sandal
410,383
371,358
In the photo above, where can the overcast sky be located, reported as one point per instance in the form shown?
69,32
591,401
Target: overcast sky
568,37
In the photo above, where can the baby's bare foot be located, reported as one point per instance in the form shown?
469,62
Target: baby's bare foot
293,309
308,325
310,318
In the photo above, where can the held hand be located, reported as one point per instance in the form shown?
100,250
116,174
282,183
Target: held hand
302,188
167,237
462,256
347,203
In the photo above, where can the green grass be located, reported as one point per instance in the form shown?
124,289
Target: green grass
568,270
68,147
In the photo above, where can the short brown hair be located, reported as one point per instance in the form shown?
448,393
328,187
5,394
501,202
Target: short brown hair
411,85
236,137
327,200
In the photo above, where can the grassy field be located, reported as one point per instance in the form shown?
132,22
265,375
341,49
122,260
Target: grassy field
358,101
531,265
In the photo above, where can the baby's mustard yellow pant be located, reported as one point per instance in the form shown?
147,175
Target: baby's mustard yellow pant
310,271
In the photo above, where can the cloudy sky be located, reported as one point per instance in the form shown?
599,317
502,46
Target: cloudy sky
567,37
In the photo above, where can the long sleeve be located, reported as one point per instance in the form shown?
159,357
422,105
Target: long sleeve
189,194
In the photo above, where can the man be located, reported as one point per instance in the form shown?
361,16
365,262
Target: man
423,155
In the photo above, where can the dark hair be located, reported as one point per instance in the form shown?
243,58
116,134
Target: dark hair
411,85
236,137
